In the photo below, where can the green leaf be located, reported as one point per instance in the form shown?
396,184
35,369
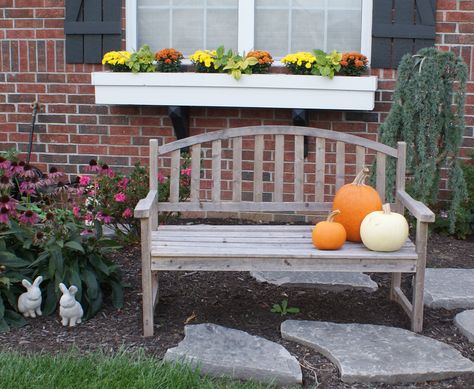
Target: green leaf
11,260
276,308
99,264
4,326
284,304
51,299
2,307
117,294
90,280
293,310
73,245
14,319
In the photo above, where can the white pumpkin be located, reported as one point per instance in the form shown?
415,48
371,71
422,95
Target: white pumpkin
384,230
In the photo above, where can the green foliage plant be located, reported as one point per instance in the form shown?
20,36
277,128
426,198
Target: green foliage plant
142,61
326,65
41,235
428,114
283,309
237,65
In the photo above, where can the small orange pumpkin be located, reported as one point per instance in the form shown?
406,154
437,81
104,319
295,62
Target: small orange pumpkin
329,235
356,201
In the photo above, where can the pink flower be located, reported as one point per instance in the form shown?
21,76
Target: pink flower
123,183
87,232
84,180
88,217
120,197
186,172
28,217
5,182
92,167
4,215
16,167
106,171
127,213
161,178
8,203
54,173
4,163
27,188
76,211
102,217
28,171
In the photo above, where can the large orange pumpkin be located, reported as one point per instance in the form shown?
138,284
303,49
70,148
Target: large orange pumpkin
356,201
329,235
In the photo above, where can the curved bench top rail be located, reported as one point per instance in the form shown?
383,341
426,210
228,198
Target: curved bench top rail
276,130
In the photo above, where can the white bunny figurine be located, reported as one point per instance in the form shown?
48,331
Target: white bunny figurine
29,303
69,309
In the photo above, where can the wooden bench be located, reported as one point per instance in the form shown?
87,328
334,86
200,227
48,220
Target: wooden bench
272,247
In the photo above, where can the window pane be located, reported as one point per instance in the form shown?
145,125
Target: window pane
187,25
284,26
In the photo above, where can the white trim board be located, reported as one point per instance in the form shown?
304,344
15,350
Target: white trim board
221,90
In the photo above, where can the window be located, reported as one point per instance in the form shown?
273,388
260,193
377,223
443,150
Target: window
279,26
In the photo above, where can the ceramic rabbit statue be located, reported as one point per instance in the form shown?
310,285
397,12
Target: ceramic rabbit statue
69,309
29,303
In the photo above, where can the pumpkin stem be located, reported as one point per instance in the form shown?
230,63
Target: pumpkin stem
360,178
332,215
386,208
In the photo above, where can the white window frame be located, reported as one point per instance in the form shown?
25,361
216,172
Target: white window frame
246,18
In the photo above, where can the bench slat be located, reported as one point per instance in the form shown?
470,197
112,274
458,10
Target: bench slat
174,177
299,168
340,149
243,206
320,169
216,171
279,161
360,158
380,179
237,169
258,169
195,172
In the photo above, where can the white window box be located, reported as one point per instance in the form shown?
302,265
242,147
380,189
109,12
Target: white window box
221,90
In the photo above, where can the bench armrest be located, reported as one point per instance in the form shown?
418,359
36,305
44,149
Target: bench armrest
144,206
416,208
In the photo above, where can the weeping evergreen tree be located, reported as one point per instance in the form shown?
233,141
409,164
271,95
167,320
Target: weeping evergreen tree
428,114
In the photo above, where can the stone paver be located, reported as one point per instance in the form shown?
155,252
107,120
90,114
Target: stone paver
369,353
220,351
465,322
331,281
449,288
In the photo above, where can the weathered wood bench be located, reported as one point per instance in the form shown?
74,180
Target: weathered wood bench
272,247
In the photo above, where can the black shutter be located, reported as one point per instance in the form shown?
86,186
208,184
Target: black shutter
400,27
92,27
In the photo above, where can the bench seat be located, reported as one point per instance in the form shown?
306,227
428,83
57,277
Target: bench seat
265,248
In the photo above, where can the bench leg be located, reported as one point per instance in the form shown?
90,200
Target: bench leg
396,283
419,281
147,279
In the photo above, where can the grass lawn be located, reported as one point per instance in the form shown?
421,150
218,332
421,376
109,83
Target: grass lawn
123,370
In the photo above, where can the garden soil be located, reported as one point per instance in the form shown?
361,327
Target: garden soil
236,300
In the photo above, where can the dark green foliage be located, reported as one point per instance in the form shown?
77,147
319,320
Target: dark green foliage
428,114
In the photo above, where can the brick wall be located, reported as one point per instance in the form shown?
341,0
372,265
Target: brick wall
71,129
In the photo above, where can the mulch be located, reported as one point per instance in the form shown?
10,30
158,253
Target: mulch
236,300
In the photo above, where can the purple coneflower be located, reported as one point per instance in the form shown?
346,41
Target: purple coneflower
4,215
5,182
8,202
28,217
5,163
92,167
76,211
123,183
54,173
106,171
16,167
84,180
39,238
27,188
28,171
103,217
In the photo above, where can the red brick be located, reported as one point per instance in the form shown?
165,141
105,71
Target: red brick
460,17
29,3
466,5
446,4
85,139
82,119
19,13
50,34
78,78
122,150
29,23
49,13
31,88
466,28
62,149
54,138
115,140
92,149
446,27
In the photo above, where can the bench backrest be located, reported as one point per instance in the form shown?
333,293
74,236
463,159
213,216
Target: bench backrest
278,137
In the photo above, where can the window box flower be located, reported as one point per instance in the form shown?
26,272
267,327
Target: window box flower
220,90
